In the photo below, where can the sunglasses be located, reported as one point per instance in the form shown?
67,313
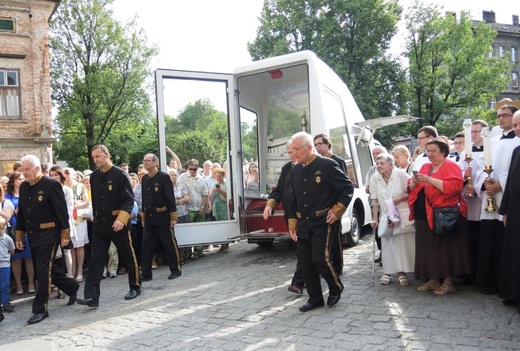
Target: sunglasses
193,169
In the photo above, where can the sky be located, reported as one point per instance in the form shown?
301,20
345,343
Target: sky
212,36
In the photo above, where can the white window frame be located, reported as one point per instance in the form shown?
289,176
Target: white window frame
10,93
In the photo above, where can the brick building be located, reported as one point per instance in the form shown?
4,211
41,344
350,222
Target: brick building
25,92
507,42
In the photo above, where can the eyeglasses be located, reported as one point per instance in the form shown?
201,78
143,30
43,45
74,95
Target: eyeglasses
505,115
193,169
318,144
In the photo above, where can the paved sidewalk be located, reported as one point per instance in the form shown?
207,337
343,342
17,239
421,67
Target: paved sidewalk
239,301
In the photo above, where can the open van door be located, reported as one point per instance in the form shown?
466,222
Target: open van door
188,92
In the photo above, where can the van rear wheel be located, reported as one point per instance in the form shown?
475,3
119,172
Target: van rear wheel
355,232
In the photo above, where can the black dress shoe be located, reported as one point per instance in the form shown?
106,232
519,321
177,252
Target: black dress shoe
295,289
145,278
174,275
507,302
88,302
310,306
38,317
72,300
489,291
333,299
132,294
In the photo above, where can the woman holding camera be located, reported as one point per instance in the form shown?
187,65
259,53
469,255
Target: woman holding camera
438,257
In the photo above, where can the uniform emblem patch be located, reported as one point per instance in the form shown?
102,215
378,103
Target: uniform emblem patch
110,187
156,188
40,198
318,179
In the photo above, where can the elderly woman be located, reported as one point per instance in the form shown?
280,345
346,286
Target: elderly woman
218,200
402,158
398,251
438,184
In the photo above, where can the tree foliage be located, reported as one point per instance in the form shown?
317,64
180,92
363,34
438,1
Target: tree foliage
450,67
199,131
351,36
99,71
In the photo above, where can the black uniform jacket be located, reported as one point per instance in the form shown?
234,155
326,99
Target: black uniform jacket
283,191
112,196
42,213
318,187
341,162
158,199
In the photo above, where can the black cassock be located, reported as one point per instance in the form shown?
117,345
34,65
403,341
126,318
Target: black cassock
509,287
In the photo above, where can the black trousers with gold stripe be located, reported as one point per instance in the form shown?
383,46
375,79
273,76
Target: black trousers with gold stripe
152,235
47,272
314,250
102,236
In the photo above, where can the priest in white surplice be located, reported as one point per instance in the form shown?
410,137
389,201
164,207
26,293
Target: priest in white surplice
491,227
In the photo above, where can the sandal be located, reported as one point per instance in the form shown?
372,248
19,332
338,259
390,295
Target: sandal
79,279
385,279
443,290
403,280
426,287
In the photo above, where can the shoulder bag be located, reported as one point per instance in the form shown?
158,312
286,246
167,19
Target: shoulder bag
446,220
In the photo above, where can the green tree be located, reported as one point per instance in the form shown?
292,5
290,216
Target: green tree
351,36
450,67
99,71
199,131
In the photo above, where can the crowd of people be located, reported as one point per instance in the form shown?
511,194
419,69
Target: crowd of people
479,177
81,225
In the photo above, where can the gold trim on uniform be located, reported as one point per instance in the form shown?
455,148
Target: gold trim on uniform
47,225
271,203
338,209
123,217
161,209
174,216
19,235
65,234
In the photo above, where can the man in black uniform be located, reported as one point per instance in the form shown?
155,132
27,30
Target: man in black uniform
322,193
42,214
160,216
283,193
323,145
112,203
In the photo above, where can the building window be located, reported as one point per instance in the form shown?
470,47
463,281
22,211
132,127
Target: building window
9,94
501,51
6,24
514,79
514,54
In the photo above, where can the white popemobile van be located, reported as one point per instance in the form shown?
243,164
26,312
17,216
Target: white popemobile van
264,104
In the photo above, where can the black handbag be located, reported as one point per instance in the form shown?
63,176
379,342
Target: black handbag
446,220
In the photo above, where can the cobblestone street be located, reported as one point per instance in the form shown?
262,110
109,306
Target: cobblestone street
239,301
